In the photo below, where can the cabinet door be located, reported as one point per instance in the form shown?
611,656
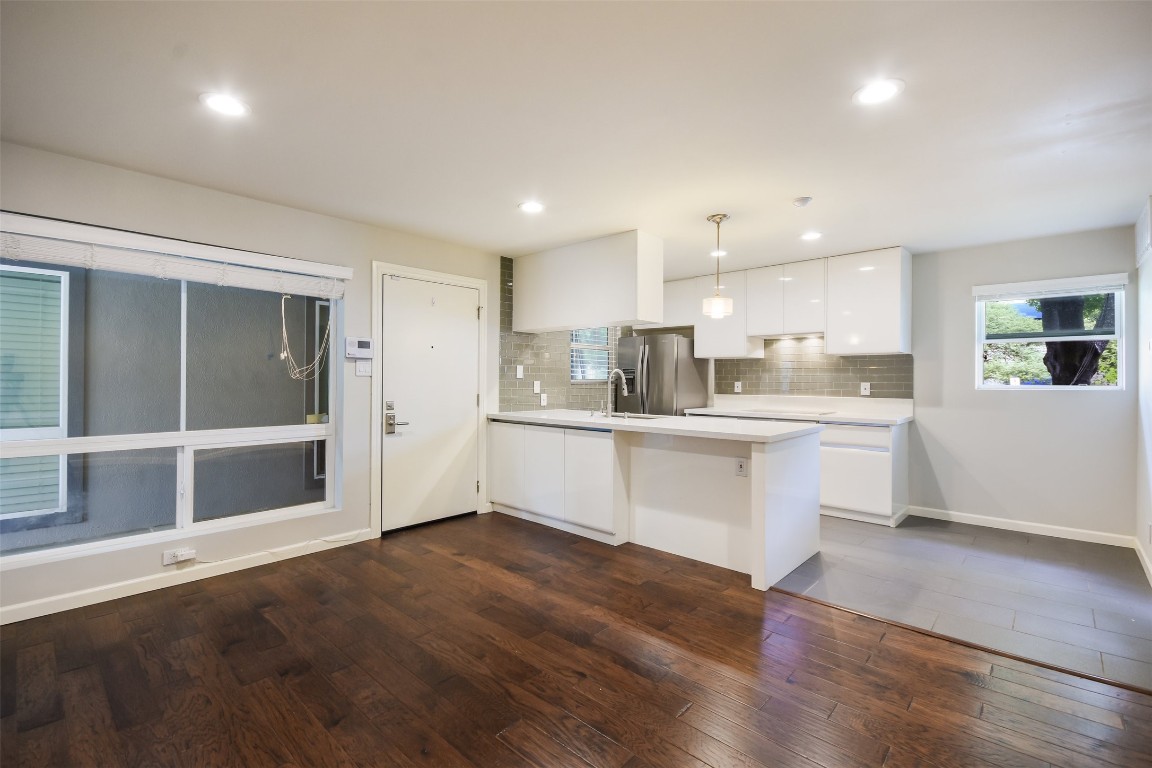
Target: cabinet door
544,470
869,303
856,479
727,336
765,294
588,478
506,464
803,296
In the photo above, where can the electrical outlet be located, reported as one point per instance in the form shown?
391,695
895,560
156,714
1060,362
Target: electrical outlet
865,388
519,371
173,556
741,467
535,387
544,399
738,387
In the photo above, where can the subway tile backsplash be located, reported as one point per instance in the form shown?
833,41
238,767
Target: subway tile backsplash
789,367
800,367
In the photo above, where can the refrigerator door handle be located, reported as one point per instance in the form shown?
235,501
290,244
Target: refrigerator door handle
642,379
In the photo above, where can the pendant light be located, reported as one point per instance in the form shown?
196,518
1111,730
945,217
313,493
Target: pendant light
717,306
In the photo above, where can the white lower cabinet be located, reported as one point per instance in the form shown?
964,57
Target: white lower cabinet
588,463
864,473
544,470
506,463
561,474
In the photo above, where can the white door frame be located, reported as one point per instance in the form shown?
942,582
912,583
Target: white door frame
375,470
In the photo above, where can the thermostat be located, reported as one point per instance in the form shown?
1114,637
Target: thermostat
358,348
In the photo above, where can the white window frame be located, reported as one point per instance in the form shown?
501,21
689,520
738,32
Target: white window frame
607,347
252,266
61,430
1038,289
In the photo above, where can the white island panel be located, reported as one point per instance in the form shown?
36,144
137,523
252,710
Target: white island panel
687,499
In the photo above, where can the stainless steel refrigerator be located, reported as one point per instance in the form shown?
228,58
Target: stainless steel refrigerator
663,377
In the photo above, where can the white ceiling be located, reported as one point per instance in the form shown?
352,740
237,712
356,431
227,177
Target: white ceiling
1018,120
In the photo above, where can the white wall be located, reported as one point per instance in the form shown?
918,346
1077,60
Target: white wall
1053,458
46,184
1144,427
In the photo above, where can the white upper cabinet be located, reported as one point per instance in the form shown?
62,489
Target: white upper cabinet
682,301
804,296
869,303
727,336
610,281
766,301
786,299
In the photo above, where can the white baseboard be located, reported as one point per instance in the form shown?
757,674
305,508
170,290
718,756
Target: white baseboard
1022,526
553,522
192,572
1145,558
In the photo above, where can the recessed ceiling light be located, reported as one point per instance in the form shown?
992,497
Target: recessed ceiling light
224,104
878,91
811,236
531,206
718,254
785,279
867,269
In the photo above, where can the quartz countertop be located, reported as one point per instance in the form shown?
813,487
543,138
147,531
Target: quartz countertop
744,430
817,410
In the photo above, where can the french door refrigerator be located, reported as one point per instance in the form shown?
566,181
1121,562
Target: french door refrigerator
663,377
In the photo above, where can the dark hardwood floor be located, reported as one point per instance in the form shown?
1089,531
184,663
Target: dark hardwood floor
488,641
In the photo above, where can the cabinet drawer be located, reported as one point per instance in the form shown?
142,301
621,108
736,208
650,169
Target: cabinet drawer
856,479
856,436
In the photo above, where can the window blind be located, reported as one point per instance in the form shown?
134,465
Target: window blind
30,484
31,376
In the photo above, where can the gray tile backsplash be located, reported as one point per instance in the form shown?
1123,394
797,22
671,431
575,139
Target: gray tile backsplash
789,367
800,367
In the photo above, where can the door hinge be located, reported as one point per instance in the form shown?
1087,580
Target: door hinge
477,399
478,312
477,486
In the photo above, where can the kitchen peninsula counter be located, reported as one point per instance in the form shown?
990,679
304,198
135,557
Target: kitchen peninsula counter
741,494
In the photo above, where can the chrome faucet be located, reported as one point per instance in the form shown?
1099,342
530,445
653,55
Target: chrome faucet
623,389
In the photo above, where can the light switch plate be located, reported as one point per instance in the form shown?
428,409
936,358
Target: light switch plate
741,467
363,367
738,387
535,387
519,371
544,399
865,388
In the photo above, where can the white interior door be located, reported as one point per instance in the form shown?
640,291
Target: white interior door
429,368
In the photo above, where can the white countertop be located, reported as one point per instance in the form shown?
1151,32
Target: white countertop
884,412
744,430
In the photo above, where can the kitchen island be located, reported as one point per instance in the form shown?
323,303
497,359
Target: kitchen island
740,494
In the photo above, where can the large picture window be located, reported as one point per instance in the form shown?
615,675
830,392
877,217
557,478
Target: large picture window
145,388
1051,334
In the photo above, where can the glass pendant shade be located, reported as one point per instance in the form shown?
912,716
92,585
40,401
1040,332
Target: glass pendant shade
717,306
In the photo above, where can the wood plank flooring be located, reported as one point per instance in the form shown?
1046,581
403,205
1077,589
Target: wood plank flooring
489,641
